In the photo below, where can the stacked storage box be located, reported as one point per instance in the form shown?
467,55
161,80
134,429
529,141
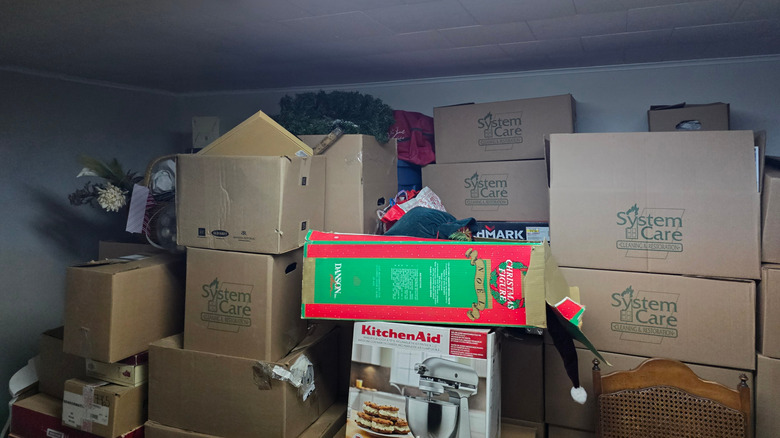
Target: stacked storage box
490,165
768,361
93,371
246,363
661,233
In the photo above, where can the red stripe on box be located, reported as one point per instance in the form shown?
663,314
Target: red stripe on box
520,253
496,316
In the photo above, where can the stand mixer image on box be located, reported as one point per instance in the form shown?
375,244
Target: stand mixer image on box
432,418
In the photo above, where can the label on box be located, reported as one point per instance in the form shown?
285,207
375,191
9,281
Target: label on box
532,231
80,411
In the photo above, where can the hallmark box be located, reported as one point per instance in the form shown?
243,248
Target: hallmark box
424,381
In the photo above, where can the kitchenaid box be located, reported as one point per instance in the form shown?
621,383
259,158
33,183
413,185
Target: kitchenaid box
243,304
500,131
661,202
362,177
403,279
492,191
411,380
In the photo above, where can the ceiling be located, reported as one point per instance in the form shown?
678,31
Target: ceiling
208,45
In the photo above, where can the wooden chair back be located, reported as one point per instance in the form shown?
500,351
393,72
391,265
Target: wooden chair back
664,398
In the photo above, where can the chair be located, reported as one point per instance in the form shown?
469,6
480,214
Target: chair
663,398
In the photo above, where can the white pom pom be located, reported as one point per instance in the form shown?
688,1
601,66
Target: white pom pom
579,395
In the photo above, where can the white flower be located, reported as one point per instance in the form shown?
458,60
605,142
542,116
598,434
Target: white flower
111,197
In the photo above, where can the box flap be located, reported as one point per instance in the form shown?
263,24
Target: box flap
257,135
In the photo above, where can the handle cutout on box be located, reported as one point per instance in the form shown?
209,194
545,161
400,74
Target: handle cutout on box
688,125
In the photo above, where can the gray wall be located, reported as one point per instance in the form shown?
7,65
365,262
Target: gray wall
45,123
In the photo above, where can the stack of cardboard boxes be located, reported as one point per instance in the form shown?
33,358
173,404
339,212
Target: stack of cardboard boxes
661,233
93,371
247,364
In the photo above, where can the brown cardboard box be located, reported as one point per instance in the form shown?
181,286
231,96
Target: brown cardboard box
562,410
235,397
663,202
54,366
767,397
516,429
362,177
113,310
257,135
703,117
669,316
492,191
154,429
113,250
102,408
261,204
770,212
329,423
522,376
565,432
500,131
132,371
40,416
243,304
769,311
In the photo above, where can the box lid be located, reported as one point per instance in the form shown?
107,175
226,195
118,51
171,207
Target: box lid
257,135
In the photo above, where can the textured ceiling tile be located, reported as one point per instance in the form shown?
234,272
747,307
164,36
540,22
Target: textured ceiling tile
596,6
757,10
422,16
505,11
721,32
620,41
579,25
338,26
546,47
398,44
683,14
490,34
320,7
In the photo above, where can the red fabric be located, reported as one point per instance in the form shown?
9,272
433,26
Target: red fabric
414,133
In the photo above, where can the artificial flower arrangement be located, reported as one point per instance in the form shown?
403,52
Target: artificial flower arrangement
110,195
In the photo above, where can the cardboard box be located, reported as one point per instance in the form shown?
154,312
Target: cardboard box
243,304
533,231
565,432
770,212
260,204
115,250
54,366
522,370
157,430
767,398
40,416
362,178
515,429
115,308
329,423
500,131
689,117
362,277
662,202
561,410
395,367
492,191
669,316
237,397
132,371
102,408
257,135
768,332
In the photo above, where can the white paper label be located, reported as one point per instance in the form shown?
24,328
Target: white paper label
75,414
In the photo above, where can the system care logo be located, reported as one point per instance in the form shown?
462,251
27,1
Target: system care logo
490,190
228,305
645,316
651,229
500,131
